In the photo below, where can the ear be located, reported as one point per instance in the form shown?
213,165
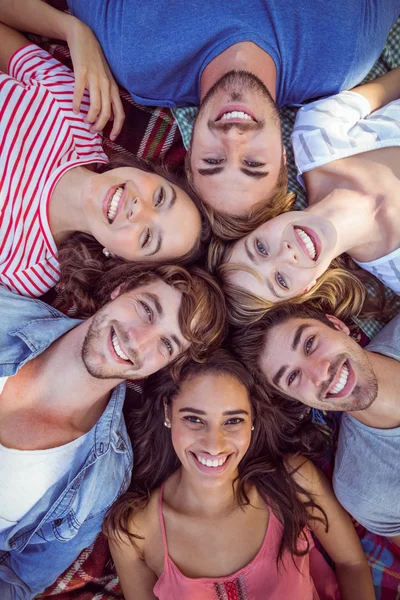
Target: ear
310,285
338,324
115,293
284,155
167,415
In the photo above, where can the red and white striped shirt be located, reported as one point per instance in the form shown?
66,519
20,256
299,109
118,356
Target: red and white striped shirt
40,139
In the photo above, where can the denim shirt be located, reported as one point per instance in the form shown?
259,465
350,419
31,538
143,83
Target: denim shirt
34,552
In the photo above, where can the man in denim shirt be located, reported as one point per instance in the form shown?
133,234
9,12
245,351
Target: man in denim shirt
62,399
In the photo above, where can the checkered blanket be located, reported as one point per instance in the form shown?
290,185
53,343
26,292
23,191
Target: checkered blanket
154,134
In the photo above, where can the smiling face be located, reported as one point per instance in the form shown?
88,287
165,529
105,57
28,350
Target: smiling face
141,216
211,426
288,253
320,366
236,152
136,334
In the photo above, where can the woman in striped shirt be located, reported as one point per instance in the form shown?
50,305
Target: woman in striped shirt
48,188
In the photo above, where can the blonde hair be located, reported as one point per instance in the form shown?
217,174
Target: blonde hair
344,290
232,227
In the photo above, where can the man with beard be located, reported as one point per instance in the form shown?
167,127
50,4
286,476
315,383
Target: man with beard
240,60
299,354
65,455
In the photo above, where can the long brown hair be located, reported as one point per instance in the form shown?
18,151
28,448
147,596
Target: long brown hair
87,285
263,466
172,175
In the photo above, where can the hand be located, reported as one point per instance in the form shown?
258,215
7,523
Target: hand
93,73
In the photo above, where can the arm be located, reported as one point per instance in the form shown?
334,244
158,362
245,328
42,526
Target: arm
11,41
381,90
90,66
340,541
136,578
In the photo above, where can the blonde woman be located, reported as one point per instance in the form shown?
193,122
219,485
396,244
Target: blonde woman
347,149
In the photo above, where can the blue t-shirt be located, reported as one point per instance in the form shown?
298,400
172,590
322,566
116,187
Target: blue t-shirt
158,49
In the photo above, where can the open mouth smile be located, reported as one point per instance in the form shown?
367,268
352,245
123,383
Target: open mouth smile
114,204
120,354
235,114
213,464
307,242
343,382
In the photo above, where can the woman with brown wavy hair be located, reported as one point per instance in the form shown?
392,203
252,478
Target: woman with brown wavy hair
214,510
50,187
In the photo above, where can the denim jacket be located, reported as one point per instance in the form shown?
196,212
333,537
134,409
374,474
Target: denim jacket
68,517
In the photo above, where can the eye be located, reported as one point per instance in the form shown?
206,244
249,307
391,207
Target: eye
168,346
261,249
309,344
160,198
213,161
252,163
147,238
234,421
193,422
148,311
281,281
292,377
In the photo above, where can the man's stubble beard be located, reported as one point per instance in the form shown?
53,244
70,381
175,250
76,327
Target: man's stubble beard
89,351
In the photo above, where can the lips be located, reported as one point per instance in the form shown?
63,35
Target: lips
308,241
114,202
235,113
343,382
212,465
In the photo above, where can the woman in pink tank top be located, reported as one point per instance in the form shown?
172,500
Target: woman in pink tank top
215,512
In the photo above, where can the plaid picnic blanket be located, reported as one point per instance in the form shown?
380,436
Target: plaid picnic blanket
159,134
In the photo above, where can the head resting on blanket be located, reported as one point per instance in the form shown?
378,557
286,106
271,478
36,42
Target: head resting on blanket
150,214
299,354
190,304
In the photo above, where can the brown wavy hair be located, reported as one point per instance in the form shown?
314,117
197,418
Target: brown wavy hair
344,289
232,227
174,177
264,465
87,285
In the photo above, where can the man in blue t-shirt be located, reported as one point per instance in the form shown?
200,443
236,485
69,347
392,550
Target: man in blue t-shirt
187,53
300,354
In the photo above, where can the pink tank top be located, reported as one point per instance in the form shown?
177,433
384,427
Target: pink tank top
313,579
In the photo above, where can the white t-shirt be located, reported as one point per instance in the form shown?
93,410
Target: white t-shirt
339,127
40,139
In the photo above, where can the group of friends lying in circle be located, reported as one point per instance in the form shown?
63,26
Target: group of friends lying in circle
232,307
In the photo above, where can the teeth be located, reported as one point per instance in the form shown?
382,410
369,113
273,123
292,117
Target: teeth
113,206
207,462
341,381
117,347
236,114
309,244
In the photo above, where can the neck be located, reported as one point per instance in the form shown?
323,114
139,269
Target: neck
384,412
343,208
66,213
78,398
244,56
210,501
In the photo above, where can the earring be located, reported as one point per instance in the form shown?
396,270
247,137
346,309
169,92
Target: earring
167,424
106,253
252,427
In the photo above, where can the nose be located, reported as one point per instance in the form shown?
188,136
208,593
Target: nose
289,253
141,338
138,209
214,440
318,370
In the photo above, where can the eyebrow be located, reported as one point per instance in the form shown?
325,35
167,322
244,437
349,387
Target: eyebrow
213,171
156,303
160,235
225,413
173,197
254,174
276,379
177,342
298,334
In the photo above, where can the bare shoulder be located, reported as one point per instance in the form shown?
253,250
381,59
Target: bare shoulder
304,472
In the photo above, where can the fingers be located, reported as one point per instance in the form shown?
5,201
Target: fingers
118,112
95,103
80,84
103,114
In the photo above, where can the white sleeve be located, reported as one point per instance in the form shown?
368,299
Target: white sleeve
323,129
